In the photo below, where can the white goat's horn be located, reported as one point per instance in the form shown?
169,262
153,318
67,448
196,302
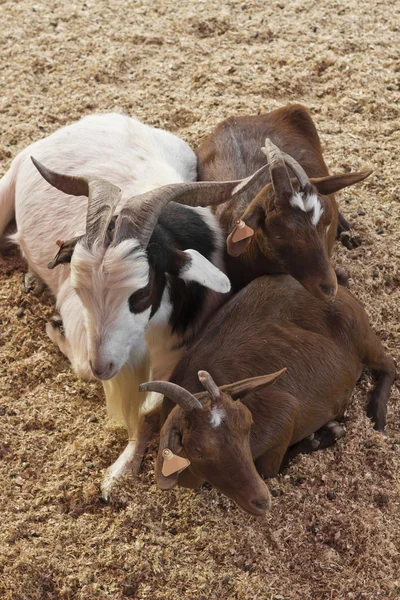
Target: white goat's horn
144,210
103,198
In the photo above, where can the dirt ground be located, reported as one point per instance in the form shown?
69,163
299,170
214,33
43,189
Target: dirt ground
334,529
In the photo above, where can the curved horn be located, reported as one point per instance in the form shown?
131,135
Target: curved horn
103,198
144,210
209,384
279,174
297,169
175,392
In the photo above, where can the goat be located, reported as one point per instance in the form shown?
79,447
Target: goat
142,279
316,349
288,230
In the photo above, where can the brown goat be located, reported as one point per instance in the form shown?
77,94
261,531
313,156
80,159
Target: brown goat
270,325
294,231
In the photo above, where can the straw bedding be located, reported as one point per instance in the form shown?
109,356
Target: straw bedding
334,529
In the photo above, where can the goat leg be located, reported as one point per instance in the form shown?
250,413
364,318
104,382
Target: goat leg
268,465
33,284
131,458
342,277
343,225
377,404
323,438
348,240
383,368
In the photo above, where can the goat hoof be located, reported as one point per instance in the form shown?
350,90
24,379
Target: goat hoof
342,277
105,494
337,430
128,462
33,284
349,241
314,442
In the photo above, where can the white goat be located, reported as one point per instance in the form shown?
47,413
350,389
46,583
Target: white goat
127,308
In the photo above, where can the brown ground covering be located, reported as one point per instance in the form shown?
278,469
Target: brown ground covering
334,529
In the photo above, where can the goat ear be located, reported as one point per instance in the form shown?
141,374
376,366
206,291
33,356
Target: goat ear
333,183
170,437
193,266
66,250
253,217
240,389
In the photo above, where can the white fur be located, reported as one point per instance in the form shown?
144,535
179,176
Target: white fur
92,294
104,281
217,416
201,270
308,204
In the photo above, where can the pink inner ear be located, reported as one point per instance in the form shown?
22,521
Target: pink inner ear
241,232
173,463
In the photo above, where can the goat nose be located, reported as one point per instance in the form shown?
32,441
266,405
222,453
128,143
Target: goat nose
328,289
102,372
261,503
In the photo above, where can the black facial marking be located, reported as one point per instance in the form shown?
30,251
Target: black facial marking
179,228
140,300
150,295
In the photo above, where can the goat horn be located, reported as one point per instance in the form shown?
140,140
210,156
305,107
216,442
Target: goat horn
144,210
297,169
103,198
175,392
279,174
209,385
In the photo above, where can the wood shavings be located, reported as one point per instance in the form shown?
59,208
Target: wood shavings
332,532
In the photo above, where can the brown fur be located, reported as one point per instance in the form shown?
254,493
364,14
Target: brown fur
285,240
271,324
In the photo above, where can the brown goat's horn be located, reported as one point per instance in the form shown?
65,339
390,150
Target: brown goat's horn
144,210
279,173
103,198
209,384
175,392
297,170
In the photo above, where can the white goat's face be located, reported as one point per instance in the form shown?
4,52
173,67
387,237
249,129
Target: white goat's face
120,294
104,279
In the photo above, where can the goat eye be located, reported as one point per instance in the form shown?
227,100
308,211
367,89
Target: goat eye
139,300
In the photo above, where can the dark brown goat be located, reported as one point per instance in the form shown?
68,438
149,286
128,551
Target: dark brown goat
270,325
294,232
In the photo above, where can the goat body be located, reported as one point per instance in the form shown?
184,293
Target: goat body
295,236
270,325
117,284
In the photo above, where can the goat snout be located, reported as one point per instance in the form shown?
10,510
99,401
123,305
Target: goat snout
262,504
328,290
259,504
103,371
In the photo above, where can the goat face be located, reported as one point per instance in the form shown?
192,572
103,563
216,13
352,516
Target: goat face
213,431
120,292
296,226
216,440
298,234
104,280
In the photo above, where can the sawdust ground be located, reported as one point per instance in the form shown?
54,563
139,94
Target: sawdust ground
334,529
